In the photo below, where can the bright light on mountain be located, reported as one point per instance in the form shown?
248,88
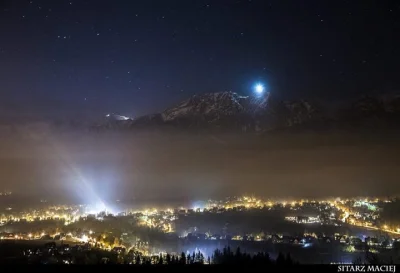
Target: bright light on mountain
259,88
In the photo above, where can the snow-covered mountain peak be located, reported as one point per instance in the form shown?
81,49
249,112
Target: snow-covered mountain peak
209,105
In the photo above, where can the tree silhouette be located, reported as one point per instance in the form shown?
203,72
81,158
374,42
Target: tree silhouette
201,258
221,257
160,260
280,260
288,260
138,261
183,258
372,258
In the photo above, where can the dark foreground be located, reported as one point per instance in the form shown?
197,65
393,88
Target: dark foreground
50,255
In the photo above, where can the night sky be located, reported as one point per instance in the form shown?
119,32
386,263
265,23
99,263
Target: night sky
136,57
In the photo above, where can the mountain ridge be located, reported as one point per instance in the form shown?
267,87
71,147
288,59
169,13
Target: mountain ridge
232,112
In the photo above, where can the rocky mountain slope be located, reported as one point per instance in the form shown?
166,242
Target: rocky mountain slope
232,112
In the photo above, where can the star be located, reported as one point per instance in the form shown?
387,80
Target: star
181,51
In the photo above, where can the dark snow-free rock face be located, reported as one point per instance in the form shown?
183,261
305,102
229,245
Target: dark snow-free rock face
372,112
300,112
372,106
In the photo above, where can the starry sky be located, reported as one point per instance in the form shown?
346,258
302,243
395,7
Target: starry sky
65,58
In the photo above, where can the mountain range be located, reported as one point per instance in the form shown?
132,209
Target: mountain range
229,111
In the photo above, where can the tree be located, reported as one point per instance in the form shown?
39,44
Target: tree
288,259
280,259
201,258
372,258
138,259
357,260
160,260
168,259
183,258
238,253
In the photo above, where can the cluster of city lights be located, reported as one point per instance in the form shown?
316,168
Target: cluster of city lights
357,212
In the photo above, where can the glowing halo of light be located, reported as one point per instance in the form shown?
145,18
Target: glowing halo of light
198,205
259,88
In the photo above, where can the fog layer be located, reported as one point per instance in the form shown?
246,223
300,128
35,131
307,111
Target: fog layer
160,166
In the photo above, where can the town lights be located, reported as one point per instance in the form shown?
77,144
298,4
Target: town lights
84,238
